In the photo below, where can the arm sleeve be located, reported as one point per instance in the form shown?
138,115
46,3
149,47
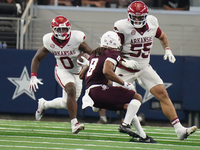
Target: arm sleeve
158,32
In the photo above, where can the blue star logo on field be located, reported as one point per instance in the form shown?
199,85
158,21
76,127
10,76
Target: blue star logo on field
22,85
147,96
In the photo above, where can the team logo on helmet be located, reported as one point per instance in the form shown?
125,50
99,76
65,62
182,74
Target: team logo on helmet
110,39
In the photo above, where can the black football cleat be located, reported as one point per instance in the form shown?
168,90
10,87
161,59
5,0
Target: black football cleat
148,139
127,129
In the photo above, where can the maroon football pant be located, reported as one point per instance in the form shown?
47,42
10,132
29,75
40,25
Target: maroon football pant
111,97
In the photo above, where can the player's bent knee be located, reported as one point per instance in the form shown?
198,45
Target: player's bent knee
70,88
138,97
162,94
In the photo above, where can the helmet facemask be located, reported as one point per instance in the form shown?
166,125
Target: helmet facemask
61,27
138,21
62,33
137,14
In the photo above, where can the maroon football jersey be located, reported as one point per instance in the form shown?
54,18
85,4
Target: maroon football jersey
107,97
95,74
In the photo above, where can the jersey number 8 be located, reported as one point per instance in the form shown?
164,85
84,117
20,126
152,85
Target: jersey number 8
92,66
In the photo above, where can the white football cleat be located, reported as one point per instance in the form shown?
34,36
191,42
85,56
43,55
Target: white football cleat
40,111
183,133
77,128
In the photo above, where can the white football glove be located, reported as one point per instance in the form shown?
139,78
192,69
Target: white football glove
169,55
19,11
129,86
130,64
33,83
84,63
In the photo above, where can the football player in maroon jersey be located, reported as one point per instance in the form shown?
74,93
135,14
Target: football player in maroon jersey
100,73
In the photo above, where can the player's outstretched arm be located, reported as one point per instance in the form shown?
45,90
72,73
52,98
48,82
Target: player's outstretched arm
40,55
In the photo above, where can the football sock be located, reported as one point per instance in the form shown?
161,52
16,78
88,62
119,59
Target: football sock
57,103
74,121
132,109
138,127
176,124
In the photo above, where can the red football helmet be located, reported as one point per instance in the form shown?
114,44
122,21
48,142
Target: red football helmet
137,13
61,27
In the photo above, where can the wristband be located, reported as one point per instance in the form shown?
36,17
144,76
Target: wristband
167,48
33,74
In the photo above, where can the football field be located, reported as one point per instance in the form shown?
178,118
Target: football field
44,135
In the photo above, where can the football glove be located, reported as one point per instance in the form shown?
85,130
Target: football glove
132,64
169,55
19,10
33,83
84,63
129,86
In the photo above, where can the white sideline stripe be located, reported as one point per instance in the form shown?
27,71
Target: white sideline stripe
86,145
168,130
72,139
85,133
67,124
82,133
54,122
104,141
64,124
107,129
88,124
64,127
36,147
53,131
111,129
47,132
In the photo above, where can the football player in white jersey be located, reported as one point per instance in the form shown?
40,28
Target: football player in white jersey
65,44
137,34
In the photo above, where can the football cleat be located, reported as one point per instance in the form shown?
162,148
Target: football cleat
148,139
127,129
101,121
40,111
77,128
183,133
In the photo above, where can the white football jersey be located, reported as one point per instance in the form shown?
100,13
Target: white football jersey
67,52
137,45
